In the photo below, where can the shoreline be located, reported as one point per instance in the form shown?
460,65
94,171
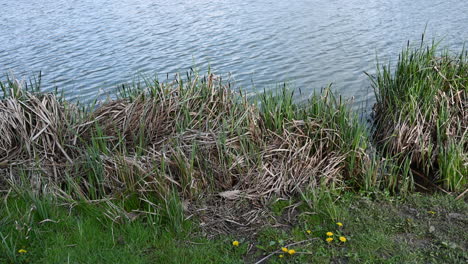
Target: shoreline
166,152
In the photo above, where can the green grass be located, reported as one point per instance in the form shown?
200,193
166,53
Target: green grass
378,228
53,231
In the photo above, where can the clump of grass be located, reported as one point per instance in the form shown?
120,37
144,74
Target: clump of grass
320,143
199,134
421,116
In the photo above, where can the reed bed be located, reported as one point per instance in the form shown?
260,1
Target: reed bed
193,135
421,117
197,137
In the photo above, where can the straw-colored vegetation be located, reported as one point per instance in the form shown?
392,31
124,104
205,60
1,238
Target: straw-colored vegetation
194,136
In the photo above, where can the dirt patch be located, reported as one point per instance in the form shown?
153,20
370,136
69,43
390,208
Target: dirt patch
413,241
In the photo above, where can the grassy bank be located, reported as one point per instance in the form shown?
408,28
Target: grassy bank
380,229
194,165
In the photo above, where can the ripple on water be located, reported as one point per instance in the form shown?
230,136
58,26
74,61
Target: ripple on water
87,47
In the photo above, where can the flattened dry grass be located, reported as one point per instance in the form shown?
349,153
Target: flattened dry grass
421,116
38,134
33,126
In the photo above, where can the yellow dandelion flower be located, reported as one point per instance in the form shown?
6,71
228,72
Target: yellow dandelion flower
329,234
22,251
292,252
284,249
431,212
343,239
235,243
329,239
281,256
339,224
308,232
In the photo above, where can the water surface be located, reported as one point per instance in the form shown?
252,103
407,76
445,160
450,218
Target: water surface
87,47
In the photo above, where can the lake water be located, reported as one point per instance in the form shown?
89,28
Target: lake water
87,47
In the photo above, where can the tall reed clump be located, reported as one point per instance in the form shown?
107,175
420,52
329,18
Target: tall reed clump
194,135
421,116
36,131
